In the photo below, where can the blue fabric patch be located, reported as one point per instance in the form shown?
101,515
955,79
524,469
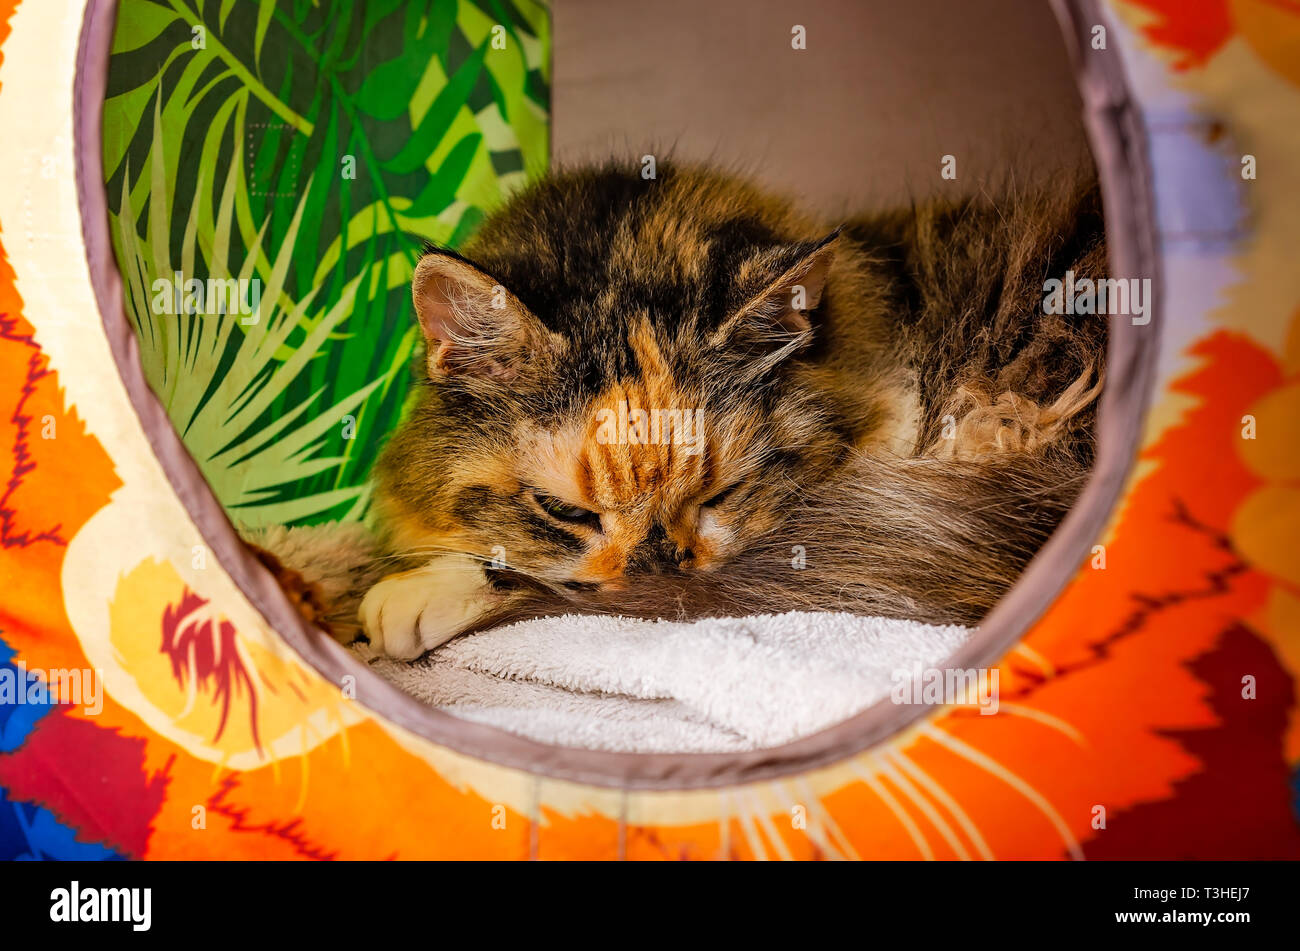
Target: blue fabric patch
29,832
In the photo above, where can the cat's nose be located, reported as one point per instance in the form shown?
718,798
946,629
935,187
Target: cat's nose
658,554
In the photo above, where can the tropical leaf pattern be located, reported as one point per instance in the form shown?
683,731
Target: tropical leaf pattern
313,146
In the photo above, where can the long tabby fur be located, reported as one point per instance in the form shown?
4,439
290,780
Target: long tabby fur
891,423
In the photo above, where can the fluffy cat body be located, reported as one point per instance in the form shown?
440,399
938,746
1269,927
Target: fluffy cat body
887,421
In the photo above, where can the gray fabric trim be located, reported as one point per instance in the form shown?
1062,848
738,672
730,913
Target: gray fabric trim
1115,127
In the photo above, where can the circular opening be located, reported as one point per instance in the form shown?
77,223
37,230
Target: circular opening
1113,131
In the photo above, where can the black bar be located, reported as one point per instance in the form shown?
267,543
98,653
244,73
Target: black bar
870,901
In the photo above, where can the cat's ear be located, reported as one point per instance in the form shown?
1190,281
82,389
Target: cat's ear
773,319
472,325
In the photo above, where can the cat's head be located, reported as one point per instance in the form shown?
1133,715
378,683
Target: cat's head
618,380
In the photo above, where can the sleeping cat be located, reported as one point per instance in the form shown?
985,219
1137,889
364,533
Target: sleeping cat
679,396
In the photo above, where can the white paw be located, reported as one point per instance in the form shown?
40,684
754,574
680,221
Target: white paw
406,614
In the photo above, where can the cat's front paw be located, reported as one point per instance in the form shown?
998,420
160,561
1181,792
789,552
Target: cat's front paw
408,613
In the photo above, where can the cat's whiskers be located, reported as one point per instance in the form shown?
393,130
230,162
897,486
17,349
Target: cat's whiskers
427,551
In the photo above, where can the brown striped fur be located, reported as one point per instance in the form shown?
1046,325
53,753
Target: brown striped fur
890,391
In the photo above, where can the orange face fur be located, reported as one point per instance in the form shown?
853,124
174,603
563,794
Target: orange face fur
665,485
649,498
646,458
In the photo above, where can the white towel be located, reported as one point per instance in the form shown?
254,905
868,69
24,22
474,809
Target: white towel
715,685
611,683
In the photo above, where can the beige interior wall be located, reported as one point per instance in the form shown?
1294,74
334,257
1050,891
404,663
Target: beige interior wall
862,116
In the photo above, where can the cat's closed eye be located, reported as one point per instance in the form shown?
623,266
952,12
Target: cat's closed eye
564,512
719,497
